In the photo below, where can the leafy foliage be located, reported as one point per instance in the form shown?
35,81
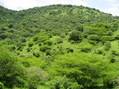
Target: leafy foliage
58,47
75,35
84,69
10,68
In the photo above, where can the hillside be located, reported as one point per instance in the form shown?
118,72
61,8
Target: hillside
52,18
59,47
6,15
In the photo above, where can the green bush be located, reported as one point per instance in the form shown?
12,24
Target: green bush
10,68
94,37
117,37
107,38
75,35
62,35
69,50
1,85
99,51
29,49
3,36
30,44
110,33
20,48
34,76
48,42
36,54
35,38
40,38
23,40
86,33
12,48
93,42
48,52
79,28
44,48
59,82
59,40
107,45
86,49
114,52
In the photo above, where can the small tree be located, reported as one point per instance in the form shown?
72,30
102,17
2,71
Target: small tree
35,75
75,35
30,44
44,48
94,37
48,42
10,68
107,45
79,28
36,54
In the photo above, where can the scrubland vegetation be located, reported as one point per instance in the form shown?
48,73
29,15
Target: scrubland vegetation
59,47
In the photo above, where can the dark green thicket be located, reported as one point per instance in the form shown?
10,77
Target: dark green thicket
11,70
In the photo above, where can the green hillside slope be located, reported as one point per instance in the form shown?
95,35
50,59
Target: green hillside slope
59,47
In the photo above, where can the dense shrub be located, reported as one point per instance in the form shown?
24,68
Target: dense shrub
75,35
100,51
20,48
48,52
59,82
44,48
62,35
30,44
61,49
93,42
12,48
110,33
29,49
48,42
87,70
69,50
35,38
85,49
59,40
35,75
94,37
36,54
107,45
107,38
10,68
3,36
79,28
1,85
114,52
23,40
86,33
117,37
40,38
